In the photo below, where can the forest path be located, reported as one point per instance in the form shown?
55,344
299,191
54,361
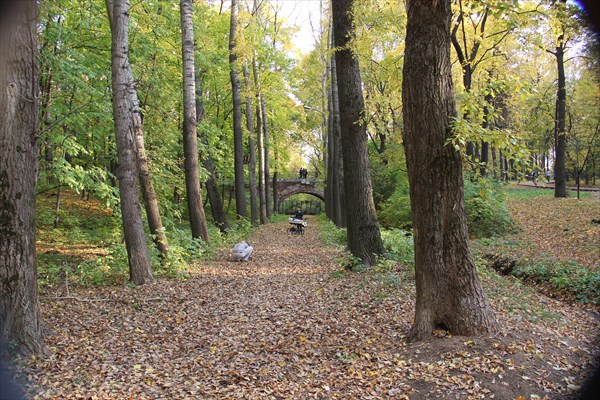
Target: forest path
290,325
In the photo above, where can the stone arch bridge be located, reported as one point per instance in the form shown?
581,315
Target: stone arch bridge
288,187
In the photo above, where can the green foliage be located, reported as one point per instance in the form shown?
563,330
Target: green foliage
582,283
331,234
486,213
399,245
351,262
390,187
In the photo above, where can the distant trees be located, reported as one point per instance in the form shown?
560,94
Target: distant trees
449,293
20,321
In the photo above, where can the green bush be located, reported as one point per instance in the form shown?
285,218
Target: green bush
399,245
484,203
331,234
568,277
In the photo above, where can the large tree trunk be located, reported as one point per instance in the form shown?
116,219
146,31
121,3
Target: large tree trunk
364,238
212,189
190,139
560,173
238,138
449,293
254,199
20,321
148,193
338,201
140,271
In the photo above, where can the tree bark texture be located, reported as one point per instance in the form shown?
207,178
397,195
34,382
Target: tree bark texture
337,160
254,199
364,238
266,152
148,193
560,173
140,271
238,138
449,293
212,189
190,139
20,321
262,178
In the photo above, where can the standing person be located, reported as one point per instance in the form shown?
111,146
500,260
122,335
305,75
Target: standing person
299,213
548,175
242,251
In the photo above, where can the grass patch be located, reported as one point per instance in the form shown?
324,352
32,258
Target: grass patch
557,278
521,193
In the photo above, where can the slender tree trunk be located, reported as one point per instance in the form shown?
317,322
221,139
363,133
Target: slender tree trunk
254,199
212,189
260,145
449,293
148,193
238,138
20,320
140,271
364,238
190,139
266,144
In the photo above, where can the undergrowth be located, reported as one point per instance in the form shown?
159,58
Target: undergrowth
87,247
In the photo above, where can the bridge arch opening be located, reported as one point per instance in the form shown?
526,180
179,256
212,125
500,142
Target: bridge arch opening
309,203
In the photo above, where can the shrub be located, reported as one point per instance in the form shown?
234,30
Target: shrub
399,245
484,203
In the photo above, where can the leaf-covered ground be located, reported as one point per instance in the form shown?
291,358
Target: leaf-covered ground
290,325
560,228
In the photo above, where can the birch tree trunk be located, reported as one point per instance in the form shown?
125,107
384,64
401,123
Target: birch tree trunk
20,320
190,139
140,271
449,293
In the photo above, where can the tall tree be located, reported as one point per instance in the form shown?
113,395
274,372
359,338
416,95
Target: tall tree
20,321
449,293
148,193
364,238
214,197
254,202
140,270
190,139
335,177
560,139
238,134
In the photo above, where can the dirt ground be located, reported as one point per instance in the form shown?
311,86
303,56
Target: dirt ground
289,324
